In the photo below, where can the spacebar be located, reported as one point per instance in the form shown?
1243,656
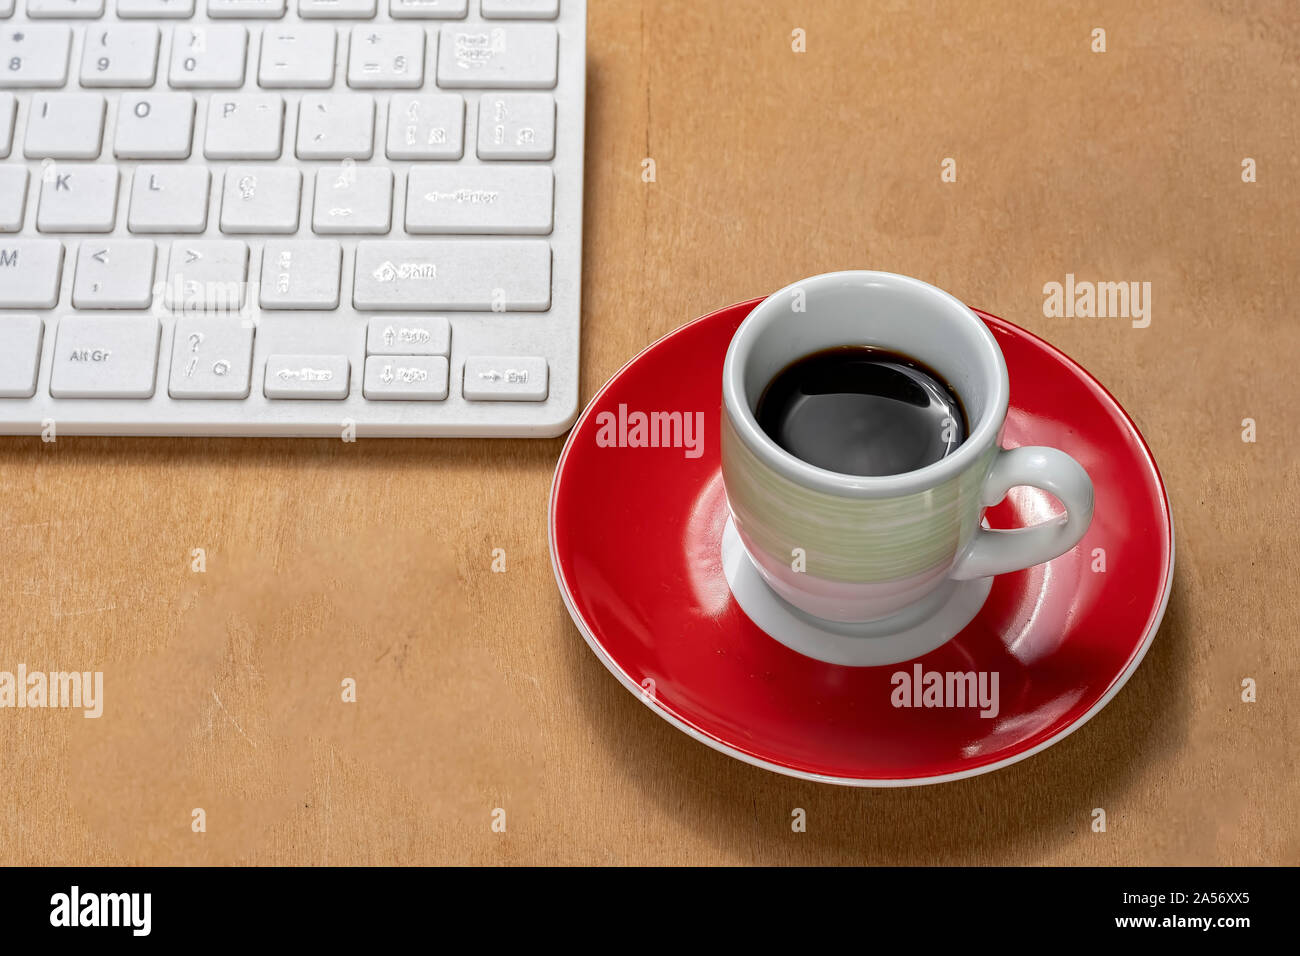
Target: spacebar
454,274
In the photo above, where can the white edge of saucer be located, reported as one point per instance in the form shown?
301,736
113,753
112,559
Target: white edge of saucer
725,748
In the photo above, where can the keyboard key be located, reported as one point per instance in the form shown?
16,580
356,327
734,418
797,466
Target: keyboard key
124,55
246,9
30,272
78,199
386,56
169,199
300,274
428,9
65,126
261,199
105,356
155,9
426,126
408,335
298,57
522,56
244,126
521,9
114,274
458,275
336,126
20,354
212,357
516,126
307,376
154,126
208,56
503,200
351,199
13,197
65,9
35,56
336,9
390,378
207,275
505,379
8,114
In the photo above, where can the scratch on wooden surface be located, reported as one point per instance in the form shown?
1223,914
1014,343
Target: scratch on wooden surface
233,721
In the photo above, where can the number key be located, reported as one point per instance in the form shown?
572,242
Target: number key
33,55
120,55
208,56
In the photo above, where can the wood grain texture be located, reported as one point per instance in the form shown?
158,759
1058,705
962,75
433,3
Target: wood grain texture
374,558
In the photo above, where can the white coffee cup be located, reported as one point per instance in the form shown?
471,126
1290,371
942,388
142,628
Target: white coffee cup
850,548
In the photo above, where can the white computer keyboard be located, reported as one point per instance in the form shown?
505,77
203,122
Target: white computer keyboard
290,217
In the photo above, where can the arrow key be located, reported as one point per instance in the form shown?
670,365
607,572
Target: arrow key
408,335
307,377
406,378
114,274
506,379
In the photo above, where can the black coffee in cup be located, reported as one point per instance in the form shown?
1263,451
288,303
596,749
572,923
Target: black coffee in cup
860,410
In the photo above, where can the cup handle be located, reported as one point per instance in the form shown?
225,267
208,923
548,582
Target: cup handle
997,552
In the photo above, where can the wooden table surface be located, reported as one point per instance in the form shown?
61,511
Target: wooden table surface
373,560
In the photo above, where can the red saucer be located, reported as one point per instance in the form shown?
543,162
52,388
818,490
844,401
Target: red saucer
635,535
